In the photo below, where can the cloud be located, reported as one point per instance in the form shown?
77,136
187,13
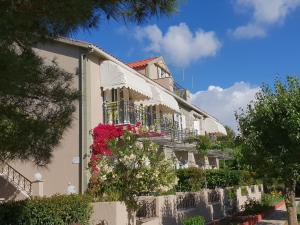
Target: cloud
249,31
223,102
264,14
179,44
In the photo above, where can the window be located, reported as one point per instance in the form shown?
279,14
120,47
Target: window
162,73
114,95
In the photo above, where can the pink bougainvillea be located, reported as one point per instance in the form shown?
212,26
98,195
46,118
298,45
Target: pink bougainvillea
103,133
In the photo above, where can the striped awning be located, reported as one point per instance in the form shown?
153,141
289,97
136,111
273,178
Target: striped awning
115,76
160,97
213,126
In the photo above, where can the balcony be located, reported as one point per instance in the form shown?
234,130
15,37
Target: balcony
180,91
126,112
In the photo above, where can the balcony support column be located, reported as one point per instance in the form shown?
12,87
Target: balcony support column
191,159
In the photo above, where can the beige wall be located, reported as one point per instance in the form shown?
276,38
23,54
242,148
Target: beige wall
61,170
112,213
152,73
166,83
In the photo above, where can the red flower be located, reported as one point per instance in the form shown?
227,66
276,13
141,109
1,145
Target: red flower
102,134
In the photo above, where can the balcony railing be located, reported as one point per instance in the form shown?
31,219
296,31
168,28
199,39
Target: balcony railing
126,112
179,90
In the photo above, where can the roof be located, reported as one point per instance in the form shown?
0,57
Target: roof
141,63
101,51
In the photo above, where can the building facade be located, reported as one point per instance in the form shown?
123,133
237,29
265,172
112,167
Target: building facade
116,93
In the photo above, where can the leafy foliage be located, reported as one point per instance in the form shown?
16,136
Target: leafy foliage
190,179
244,191
59,209
193,179
197,220
270,132
228,145
272,199
36,105
132,169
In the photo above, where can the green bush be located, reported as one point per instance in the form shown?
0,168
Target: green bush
271,199
193,179
197,220
55,210
190,179
244,191
223,178
231,194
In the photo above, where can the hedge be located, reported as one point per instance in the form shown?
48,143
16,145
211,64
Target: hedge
190,179
193,179
55,210
197,220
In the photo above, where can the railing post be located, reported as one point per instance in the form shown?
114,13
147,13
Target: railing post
37,188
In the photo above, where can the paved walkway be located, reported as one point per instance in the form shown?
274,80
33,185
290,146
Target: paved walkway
279,217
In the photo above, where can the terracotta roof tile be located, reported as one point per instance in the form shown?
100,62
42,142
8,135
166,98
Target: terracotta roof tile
140,63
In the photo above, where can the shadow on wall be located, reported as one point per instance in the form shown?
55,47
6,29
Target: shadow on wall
8,191
168,212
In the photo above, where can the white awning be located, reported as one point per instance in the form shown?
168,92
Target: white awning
115,76
162,98
213,126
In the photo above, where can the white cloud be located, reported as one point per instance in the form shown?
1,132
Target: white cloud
223,102
179,44
264,13
249,31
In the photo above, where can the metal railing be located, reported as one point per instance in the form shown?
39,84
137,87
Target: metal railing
185,201
147,208
16,178
126,112
179,90
183,135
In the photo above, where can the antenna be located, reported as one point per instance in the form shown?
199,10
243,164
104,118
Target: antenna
182,74
192,81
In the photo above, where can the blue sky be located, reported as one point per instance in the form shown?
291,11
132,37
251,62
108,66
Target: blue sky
228,47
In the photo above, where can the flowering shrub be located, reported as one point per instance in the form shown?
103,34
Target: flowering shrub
272,199
102,134
124,167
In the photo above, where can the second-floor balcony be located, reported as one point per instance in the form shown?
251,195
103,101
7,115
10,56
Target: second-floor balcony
126,112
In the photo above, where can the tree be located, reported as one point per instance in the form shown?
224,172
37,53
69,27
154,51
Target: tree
124,167
37,100
270,132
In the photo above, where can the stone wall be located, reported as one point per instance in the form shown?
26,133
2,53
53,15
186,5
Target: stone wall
172,209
